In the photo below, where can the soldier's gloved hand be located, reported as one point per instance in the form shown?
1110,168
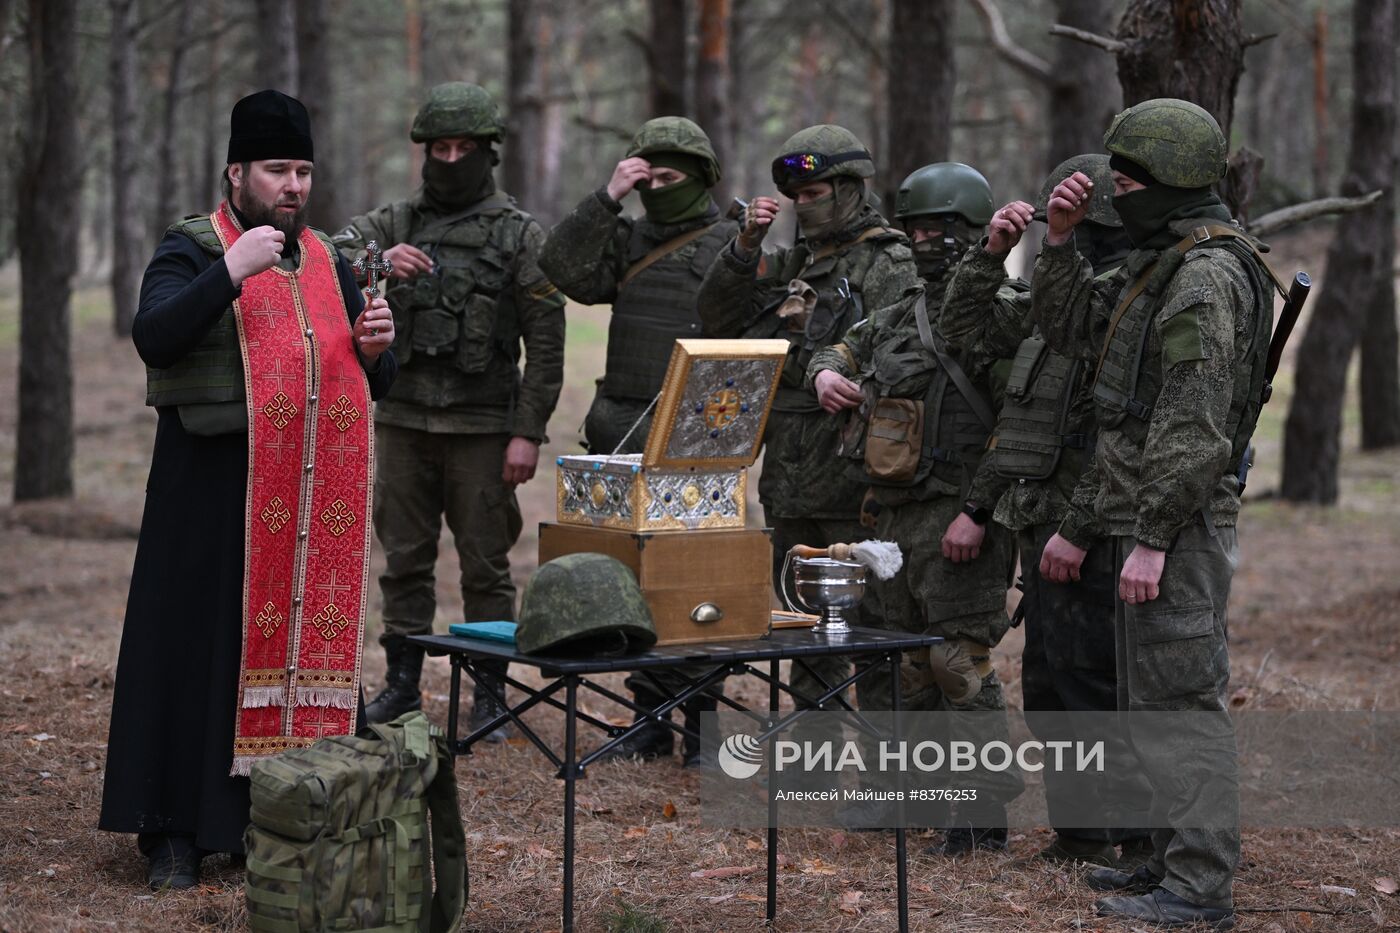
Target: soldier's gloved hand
1061,560
962,542
758,218
1142,572
257,250
1068,205
408,261
626,175
522,457
1007,225
374,329
835,391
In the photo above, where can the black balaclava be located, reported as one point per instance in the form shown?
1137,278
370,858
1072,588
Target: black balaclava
1101,244
456,185
935,255
1148,213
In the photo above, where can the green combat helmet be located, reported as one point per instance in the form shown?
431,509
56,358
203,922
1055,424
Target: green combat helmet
1095,165
945,188
457,109
677,134
820,153
584,605
1178,142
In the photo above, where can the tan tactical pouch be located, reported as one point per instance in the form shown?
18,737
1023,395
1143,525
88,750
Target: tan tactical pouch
895,439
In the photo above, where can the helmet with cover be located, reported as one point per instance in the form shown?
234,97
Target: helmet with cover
665,136
584,604
1177,142
457,109
1095,165
821,153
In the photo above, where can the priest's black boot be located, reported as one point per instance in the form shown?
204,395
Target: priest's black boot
653,740
693,753
400,694
486,708
172,862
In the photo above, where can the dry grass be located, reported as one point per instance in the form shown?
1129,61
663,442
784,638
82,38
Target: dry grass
1314,624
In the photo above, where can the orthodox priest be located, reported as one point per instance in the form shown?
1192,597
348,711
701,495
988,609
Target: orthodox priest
245,618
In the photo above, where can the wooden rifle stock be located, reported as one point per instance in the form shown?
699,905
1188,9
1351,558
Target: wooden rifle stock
1292,308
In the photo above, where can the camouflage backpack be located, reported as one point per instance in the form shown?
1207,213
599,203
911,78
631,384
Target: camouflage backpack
339,836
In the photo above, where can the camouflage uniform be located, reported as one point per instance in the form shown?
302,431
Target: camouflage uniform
864,265
588,255
1177,396
1043,444
441,434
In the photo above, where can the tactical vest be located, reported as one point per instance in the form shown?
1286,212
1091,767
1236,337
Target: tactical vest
654,309
1127,384
463,311
954,436
1032,427
839,277
207,383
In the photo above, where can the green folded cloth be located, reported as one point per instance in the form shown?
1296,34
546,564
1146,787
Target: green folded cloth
487,631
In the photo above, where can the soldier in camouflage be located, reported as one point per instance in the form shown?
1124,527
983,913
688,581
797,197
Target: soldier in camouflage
1177,341
1042,444
462,427
923,415
846,260
649,270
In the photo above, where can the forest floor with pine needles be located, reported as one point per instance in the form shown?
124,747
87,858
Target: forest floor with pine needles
1315,623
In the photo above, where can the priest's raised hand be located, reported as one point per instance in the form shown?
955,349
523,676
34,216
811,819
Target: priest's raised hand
255,251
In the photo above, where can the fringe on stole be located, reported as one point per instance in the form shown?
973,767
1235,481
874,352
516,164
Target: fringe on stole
337,697
257,697
242,766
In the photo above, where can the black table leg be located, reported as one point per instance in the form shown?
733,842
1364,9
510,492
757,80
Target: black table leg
454,695
570,740
900,845
772,909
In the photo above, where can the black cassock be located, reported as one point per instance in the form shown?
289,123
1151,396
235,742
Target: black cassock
171,741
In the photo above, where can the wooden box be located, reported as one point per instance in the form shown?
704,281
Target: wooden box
706,432
687,578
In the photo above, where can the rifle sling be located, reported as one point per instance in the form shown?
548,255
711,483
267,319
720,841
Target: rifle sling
663,250
955,372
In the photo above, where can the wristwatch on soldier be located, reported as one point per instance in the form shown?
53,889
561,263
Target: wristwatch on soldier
975,512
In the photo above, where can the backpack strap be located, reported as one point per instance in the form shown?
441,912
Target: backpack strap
664,250
979,405
449,843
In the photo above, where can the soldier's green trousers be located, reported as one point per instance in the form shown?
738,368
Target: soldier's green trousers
1172,657
872,690
960,601
420,478
1069,665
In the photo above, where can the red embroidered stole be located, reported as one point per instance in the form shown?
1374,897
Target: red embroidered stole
307,519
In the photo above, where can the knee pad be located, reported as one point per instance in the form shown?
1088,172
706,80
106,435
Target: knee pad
960,667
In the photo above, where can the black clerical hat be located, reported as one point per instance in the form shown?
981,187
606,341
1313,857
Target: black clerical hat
269,125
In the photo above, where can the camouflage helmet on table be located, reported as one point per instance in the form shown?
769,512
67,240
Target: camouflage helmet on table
584,604
1095,165
821,153
1179,143
457,109
677,135
945,188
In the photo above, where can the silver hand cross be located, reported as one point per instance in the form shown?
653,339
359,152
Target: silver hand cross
372,265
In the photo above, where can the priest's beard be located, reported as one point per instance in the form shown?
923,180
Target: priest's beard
260,213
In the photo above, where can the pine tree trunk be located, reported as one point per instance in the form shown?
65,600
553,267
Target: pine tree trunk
1359,261
666,58
276,45
523,99
47,225
1084,97
317,92
166,209
127,242
1191,49
712,84
920,90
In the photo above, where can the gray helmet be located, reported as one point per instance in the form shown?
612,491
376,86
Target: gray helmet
457,109
1095,165
1178,142
945,188
584,604
677,134
820,153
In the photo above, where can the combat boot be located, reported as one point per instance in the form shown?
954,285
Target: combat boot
1069,849
1135,852
982,828
693,754
653,740
486,708
1139,881
400,694
1162,908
